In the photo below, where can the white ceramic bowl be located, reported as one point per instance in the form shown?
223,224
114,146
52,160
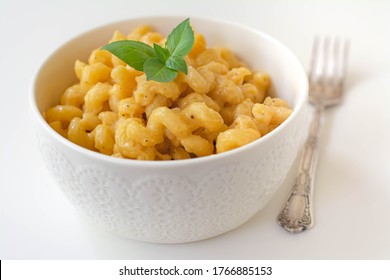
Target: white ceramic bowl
174,201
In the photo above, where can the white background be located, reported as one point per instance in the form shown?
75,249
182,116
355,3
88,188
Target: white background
352,198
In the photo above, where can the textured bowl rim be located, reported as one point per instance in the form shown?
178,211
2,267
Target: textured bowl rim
301,101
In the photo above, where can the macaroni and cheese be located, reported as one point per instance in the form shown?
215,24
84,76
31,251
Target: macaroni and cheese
219,105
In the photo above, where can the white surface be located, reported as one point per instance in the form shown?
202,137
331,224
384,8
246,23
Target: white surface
352,198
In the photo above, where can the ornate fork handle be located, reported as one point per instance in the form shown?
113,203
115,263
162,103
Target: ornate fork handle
297,213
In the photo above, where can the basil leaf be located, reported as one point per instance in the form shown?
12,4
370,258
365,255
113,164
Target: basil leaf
158,71
177,63
161,53
133,53
181,39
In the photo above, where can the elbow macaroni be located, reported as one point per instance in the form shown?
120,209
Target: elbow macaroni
218,106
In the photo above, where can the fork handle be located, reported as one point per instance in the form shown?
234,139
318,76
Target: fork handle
297,213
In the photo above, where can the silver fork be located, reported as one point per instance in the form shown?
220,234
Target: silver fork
326,77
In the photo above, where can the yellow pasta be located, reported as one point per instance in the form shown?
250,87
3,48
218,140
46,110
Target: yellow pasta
235,137
73,96
63,113
199,45
196,97
124,77
81,130
180,153
200,81
158,101
93,73
197,145
108,118
101,56
104,139
96,97
227,92
57,126
237,75
263,116
198,114
219,105
129,108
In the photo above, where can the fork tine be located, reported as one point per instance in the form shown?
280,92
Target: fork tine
327,68
317,67
320,63
339,58
313,59
325,73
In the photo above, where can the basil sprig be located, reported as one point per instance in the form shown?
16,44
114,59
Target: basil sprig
159,63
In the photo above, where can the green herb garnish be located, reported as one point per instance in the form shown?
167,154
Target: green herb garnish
159,63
